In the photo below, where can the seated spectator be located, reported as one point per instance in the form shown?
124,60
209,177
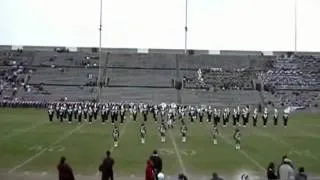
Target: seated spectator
301,175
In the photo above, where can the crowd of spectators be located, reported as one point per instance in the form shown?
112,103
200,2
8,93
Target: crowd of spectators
219,79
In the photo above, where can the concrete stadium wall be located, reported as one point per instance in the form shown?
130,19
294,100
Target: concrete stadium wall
85,49
164,51
239,53
167,51
5,48
40,48
121,50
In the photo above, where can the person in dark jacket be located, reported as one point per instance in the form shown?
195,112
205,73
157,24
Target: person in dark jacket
215,176
149,171
271,173
157,162
301,175
65,171
106,168
182,177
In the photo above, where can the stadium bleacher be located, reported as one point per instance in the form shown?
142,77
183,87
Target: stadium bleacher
284,79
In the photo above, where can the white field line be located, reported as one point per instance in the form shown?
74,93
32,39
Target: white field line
244,154
174,143
30,159
20,131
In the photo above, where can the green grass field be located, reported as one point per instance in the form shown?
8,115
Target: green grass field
28,142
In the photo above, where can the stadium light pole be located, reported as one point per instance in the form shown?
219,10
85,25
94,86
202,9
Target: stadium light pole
295,26
100,53
186,29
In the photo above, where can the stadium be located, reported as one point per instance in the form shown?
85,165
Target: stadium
157,113
33,78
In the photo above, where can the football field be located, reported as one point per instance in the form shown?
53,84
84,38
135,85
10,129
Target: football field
29,144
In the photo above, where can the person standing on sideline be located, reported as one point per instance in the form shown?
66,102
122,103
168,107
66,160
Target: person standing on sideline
106,168
286,172
301,175
271,173
149,171
157,162
65,171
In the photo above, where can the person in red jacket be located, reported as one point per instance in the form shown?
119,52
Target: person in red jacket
65,171
149,171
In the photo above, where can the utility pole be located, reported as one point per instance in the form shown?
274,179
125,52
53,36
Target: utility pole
100,54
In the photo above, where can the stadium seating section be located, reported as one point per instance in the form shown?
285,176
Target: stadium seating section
284,79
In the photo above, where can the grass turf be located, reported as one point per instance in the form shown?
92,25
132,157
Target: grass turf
28,142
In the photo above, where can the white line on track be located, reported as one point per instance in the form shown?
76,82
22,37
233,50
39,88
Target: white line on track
30,159
244,154
20,131
174,143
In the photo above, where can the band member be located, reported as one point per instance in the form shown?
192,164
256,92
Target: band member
237,137
58,111
255,117
143,132
50,113
215,117
107,111
225,118
145,113
90,114
219,115
85,111
103,114
135,112
65,109
209,114
234,117
184,131
192,114
170,119
70,114
155,112
215,133
275,117
238,115
75,111
162,115
245,116
79,114
122,114
113,114
115,135
95,111
61,113
285,117
265,117
201,113
162,130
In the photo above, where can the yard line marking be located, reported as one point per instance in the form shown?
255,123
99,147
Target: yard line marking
30,159
174,143
274,138
20,131
245,154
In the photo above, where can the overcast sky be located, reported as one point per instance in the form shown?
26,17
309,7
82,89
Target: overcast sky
213,24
